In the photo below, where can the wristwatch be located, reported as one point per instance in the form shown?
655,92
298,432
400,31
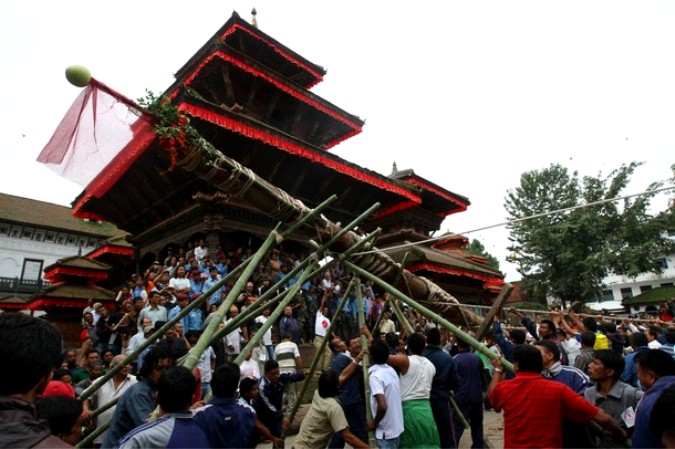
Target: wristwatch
499,370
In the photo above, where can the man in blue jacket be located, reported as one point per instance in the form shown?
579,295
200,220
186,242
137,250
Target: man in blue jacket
656,371
444,382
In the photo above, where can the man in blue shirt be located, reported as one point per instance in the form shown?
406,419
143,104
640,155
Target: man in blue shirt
136,404
656,371
469,394
350,377
225,420
176,428
638,341
444,382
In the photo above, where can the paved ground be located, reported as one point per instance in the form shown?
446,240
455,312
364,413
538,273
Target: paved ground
492,427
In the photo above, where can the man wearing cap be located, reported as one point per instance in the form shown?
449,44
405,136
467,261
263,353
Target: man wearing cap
181,303
197,283
217,296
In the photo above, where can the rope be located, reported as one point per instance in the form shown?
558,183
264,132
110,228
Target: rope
518,220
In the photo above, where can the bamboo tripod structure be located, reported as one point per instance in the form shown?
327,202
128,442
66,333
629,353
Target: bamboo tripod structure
234,180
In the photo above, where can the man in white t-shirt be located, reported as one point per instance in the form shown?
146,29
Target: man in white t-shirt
287,354
321,324
385,397
267,336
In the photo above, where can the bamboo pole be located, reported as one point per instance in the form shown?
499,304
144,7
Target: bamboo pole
388,301
496,307
428,313
290,294
317,357
366,359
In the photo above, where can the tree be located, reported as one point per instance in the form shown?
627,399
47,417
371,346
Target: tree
566,254
477,248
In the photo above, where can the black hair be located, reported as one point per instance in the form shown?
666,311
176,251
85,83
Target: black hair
638,339
30,347
225,380
158,324
588,338
654,330
434,336
331,345
328,384
61,412
416,343
590,324
670,337
153,356
379,352
175,389
392,340
528,358
270,365
550,347
60,373
660,362
517,336
550,324
610,328
91,351
463,344
610,360
247,384
191,333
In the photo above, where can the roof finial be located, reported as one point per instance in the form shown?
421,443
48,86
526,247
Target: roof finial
79,252
394,169
254,21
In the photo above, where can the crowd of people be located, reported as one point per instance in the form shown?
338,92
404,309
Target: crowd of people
577,381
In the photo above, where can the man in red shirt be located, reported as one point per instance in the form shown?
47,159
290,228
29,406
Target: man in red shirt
534,407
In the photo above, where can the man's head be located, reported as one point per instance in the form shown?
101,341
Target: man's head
354,346
64,415
527,359
175,388
156,361
288,311
652,365
30,347
606,364
225,380
337,345
328,384
234,311
248,388
91,356
95,370
638,340
70,357
549,352
417,343
546,329
587,339
434,336
103,311
590,324
272,371
153,298
652,333
379,352
124,372
517,336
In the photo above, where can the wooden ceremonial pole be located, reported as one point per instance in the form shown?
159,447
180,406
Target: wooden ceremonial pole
496,307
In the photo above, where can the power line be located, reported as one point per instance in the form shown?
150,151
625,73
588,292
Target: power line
518,220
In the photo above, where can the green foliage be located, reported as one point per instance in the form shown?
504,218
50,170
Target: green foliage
566,254
477,248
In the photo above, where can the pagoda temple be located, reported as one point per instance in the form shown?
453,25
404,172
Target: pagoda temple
248,95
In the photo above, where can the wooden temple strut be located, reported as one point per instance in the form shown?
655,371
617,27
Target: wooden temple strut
205,161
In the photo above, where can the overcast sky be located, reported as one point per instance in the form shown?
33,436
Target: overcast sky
468,94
